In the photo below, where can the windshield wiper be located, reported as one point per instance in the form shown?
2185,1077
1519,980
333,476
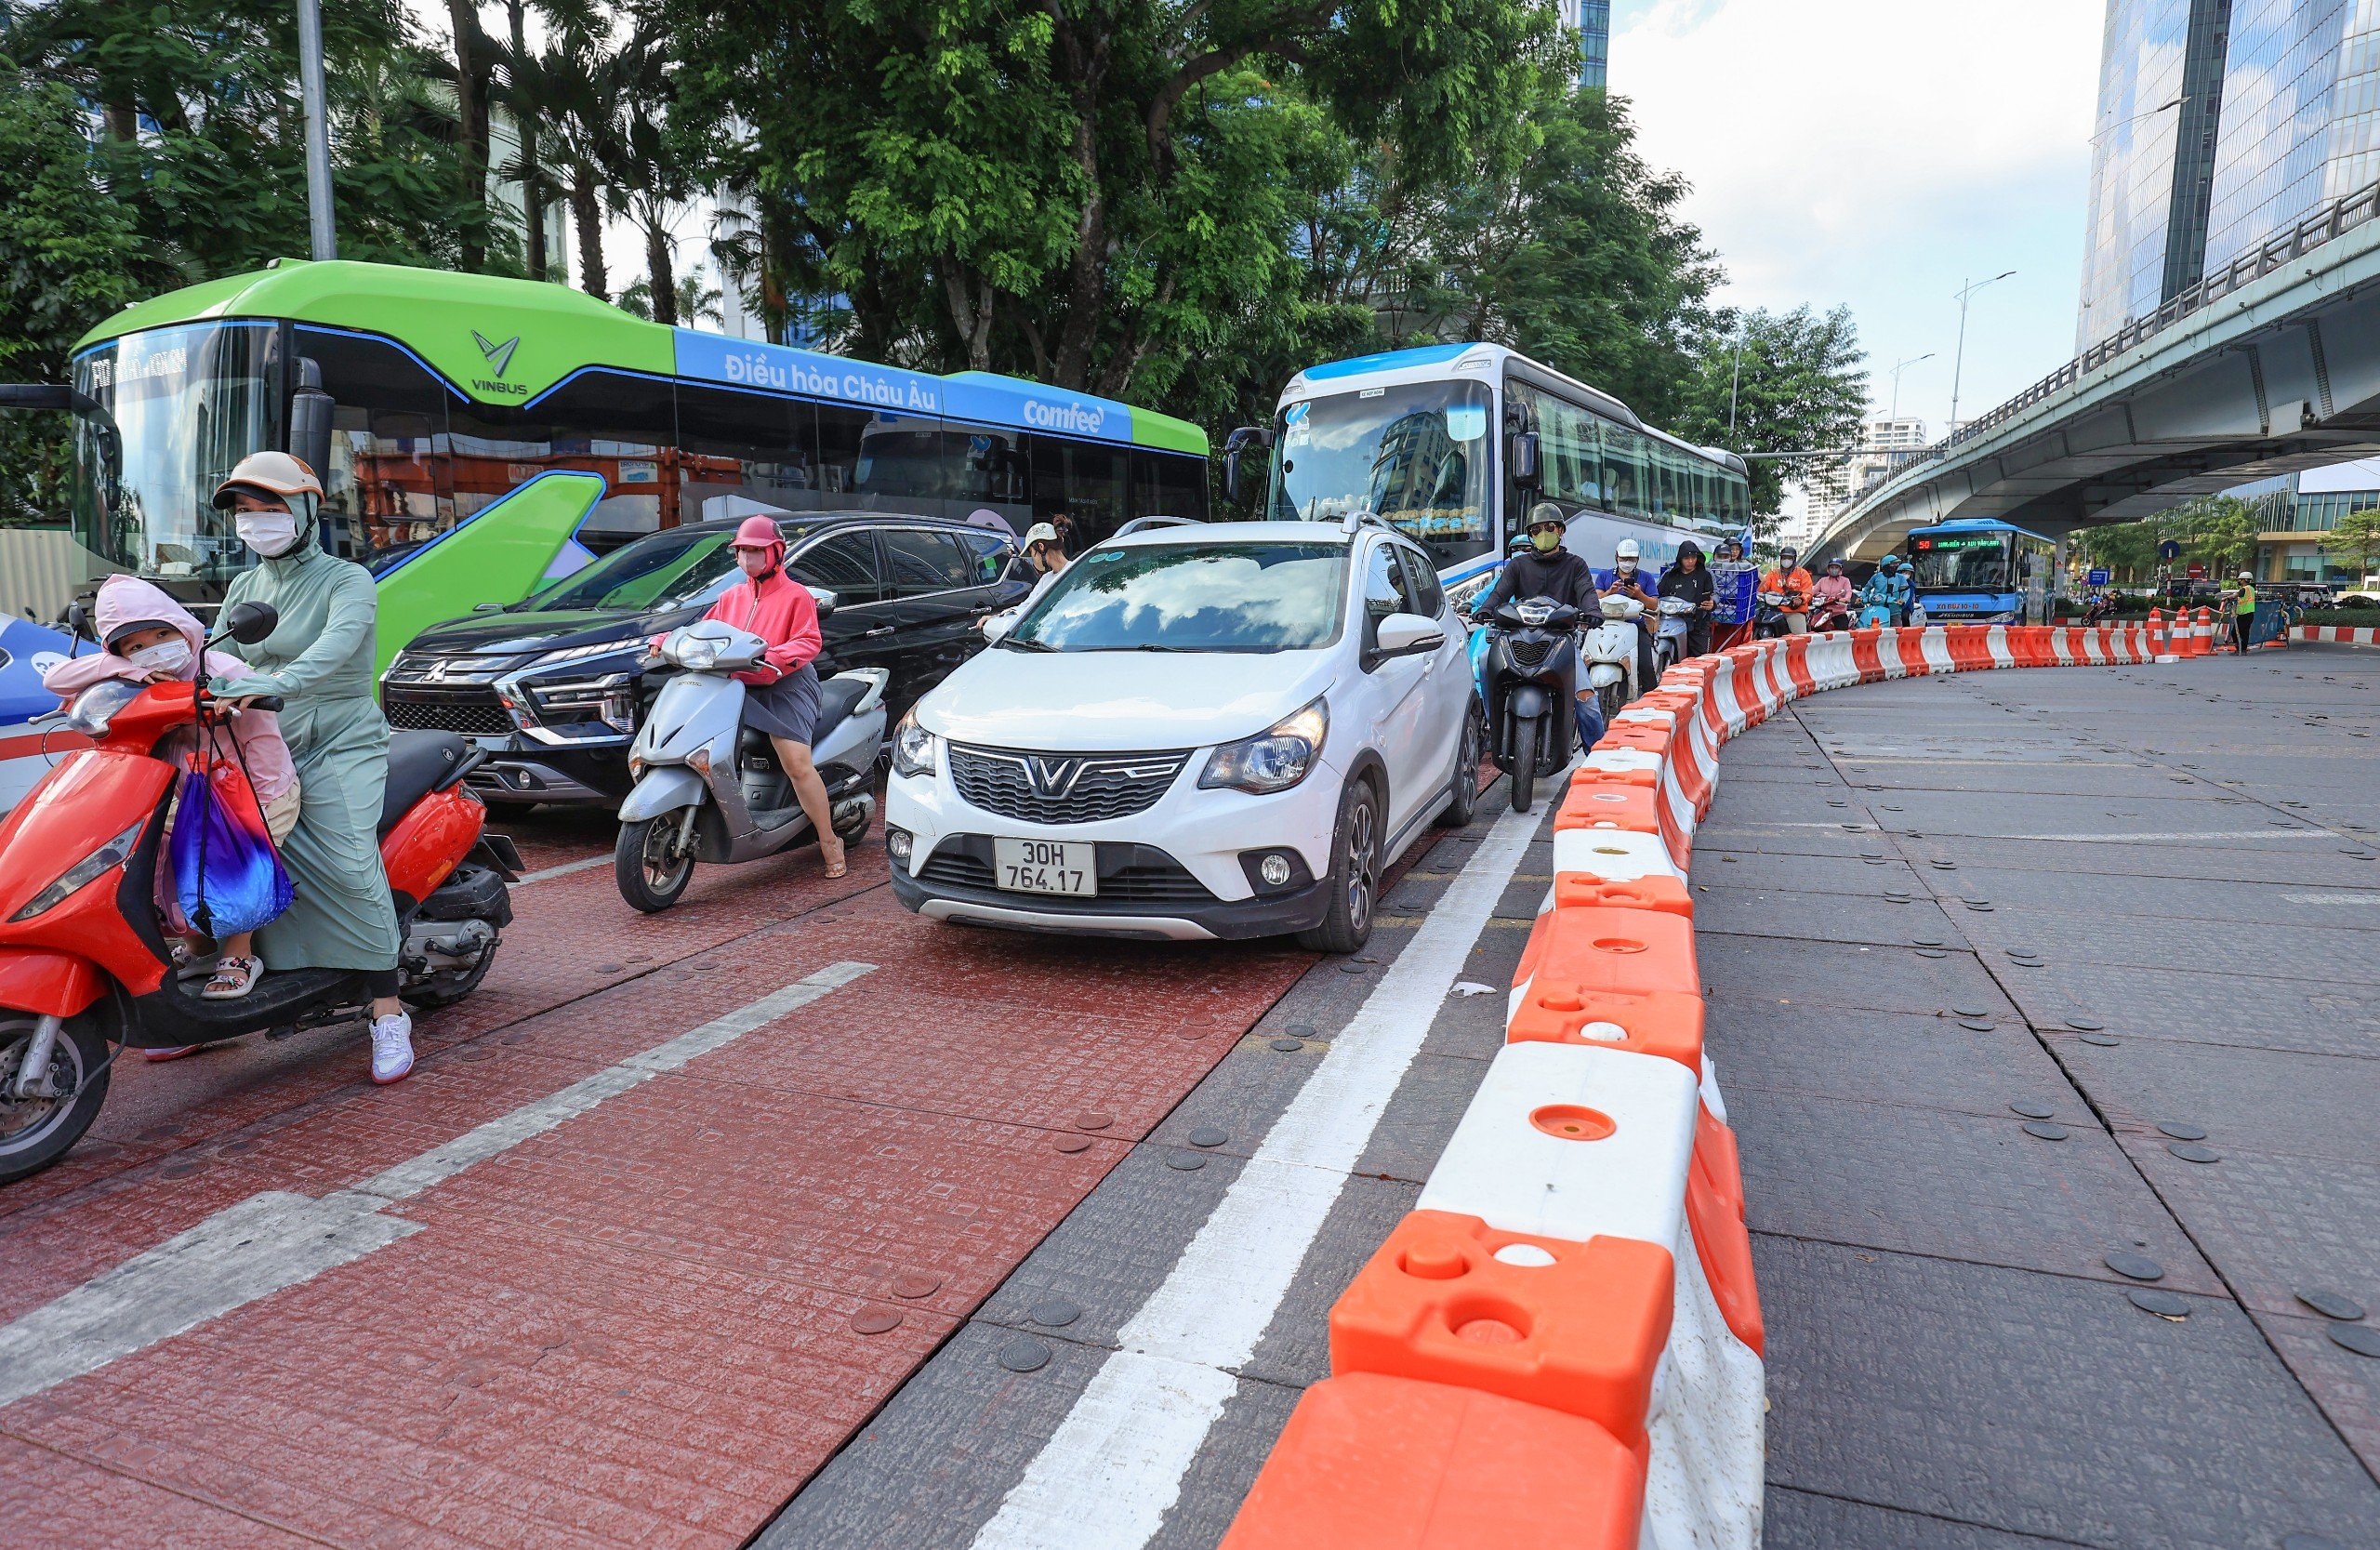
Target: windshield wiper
1013,643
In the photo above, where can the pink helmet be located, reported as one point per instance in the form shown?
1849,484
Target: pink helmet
760,533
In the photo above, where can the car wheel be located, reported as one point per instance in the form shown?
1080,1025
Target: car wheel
1464,800
1355,874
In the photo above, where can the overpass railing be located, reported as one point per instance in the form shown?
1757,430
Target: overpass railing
2341,215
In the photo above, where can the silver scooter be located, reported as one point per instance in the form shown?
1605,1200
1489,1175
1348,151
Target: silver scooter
709,788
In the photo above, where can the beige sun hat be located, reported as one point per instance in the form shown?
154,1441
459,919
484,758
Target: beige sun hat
271,474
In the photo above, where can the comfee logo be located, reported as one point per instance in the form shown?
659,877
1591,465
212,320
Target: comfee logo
1081,418
499,356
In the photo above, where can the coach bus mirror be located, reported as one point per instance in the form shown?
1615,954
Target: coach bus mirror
310,419
1239,440
1523,455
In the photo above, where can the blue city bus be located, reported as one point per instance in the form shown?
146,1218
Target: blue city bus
1975,570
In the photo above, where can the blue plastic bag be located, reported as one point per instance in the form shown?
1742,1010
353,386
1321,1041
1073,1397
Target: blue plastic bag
228,877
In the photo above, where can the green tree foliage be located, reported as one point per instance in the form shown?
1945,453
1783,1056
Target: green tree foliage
1763,381
2356,540
2216,531
68,253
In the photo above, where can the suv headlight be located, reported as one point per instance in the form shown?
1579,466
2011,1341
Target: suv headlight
1275,759
914,749
106,859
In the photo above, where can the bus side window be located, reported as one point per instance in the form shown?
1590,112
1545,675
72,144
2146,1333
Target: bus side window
391,484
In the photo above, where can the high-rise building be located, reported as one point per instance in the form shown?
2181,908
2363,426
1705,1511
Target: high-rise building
2221,122
1594,42
1885,443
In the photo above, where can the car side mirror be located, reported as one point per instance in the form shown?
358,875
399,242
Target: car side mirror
1408,635
1522,453
828,601
250,622
997,626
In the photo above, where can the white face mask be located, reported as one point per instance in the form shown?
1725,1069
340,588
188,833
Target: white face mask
269,533
167,656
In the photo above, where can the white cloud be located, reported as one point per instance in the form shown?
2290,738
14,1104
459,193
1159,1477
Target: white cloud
1875,152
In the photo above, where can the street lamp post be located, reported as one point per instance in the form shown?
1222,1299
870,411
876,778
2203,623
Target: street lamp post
1735,379
1894,413
1960,359
318,133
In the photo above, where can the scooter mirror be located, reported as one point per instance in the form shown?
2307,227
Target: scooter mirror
78,622
250,622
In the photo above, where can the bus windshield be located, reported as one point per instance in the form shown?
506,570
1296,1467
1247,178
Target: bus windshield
177,408
1960,562
1418,454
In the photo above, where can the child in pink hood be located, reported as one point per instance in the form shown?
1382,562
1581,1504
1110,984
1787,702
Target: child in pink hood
146,637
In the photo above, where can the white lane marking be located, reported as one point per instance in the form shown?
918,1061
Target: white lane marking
2332,898
1114,1467
2104,837
275,1239
563,870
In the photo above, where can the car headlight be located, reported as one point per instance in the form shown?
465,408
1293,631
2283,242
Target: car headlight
105,859
914,749
1275,759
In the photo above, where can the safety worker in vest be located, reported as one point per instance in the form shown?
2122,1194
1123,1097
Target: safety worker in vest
1795,582
319,661
2244,613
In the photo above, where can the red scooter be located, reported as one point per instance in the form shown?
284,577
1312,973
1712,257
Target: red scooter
86,970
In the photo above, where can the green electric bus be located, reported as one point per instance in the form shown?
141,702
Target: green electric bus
481,437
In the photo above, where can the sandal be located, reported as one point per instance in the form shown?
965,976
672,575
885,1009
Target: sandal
839,863
233,978
192,965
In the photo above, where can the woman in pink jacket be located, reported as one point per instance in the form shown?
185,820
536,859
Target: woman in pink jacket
781,695
145,636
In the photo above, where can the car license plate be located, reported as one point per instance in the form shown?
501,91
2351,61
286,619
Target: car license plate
1047,866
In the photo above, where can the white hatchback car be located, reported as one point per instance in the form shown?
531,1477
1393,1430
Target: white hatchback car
1203,731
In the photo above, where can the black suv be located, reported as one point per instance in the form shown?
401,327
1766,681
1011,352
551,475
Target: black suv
548,687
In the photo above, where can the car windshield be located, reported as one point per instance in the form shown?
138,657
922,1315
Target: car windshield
1965,562
1226,597
1417,454
675,569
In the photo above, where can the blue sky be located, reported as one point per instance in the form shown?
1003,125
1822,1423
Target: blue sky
1876,152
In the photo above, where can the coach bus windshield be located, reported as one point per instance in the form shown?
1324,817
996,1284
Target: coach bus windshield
1960,562
1418,454
174,408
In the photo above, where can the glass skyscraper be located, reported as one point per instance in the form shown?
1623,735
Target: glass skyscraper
1594,42
2220,124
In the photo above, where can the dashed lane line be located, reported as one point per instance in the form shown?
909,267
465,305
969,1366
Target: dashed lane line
542,873
277,1239
1115,1466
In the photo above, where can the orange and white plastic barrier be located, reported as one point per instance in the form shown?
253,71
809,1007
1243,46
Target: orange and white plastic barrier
1562,1344
2336,635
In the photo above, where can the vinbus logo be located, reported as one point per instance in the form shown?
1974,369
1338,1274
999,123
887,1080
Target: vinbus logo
499,357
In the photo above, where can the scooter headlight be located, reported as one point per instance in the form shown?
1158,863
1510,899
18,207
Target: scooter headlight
693,651
1275,759
915,750
114,854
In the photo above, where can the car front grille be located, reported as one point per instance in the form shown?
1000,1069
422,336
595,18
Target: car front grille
473,712
1127,874
1063,788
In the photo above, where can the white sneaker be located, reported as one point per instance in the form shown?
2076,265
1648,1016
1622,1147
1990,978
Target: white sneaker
392,1048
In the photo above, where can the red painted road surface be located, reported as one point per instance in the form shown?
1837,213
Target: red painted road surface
643,1325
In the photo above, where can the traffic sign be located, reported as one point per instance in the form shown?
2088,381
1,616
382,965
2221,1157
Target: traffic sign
2168,549
2097,578
2197,572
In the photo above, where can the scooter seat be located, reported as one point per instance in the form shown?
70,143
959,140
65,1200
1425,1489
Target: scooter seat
836,698
417,763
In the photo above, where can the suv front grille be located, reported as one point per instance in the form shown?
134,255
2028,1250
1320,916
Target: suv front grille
1063,788
473,712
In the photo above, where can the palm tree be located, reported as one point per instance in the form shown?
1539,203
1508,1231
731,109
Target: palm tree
659,150
580,87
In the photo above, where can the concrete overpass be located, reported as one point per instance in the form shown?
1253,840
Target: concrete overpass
2269,365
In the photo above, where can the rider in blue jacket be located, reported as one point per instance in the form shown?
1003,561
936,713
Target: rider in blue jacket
1889,589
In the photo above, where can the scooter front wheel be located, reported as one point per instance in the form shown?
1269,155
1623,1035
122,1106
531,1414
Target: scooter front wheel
35,1133
1523,764
645,863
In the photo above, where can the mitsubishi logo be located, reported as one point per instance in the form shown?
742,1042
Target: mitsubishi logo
1053,778
498,355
